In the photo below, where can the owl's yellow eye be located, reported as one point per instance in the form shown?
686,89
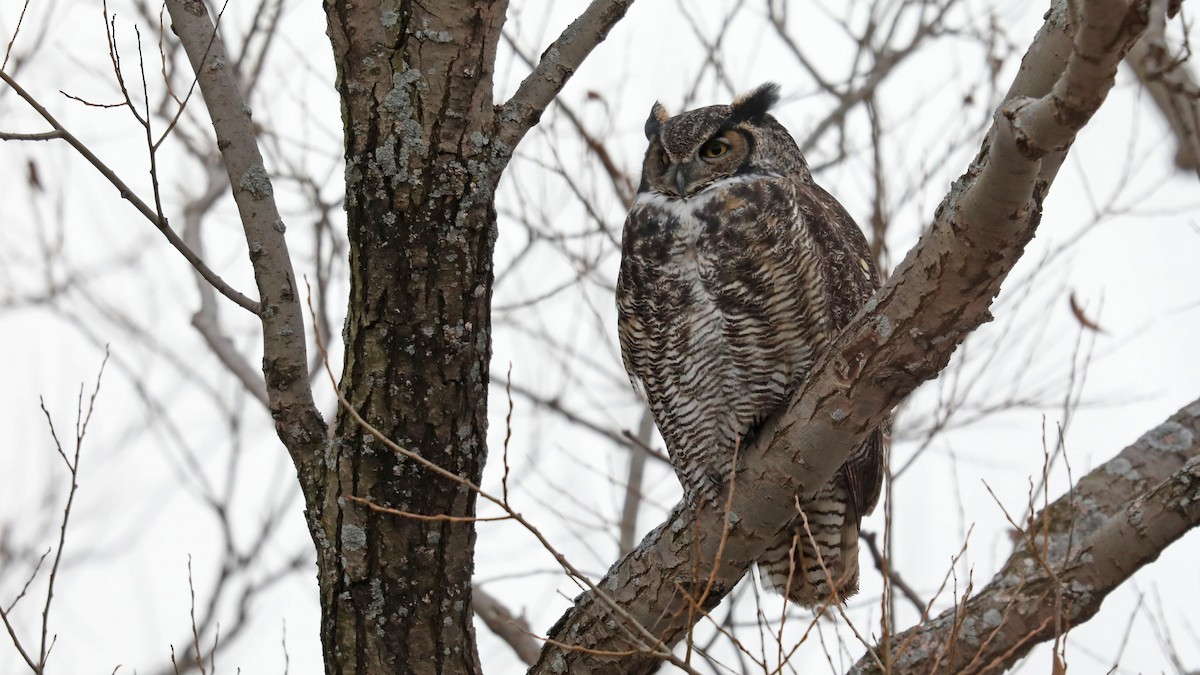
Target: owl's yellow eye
714,148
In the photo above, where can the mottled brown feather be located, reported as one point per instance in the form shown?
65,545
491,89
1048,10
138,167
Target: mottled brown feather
737,271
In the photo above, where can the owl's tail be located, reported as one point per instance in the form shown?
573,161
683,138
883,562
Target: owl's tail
801,565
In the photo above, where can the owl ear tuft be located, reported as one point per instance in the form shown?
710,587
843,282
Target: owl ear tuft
754,105
658,115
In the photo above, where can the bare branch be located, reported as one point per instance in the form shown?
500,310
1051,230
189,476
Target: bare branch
13,40
128,194
206,320
1172,86
558,63
894,578
634,443
513,629
42,136
631,506
197,653
622,184
46,643
1114,521
284,358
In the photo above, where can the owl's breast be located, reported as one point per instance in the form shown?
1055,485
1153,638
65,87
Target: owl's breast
716,319
656,229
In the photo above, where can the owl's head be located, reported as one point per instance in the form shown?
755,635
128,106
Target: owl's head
691,151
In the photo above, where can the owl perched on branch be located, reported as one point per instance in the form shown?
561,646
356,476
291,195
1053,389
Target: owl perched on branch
737,271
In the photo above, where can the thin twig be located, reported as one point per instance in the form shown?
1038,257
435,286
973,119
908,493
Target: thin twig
507,430
24,589
128,194
196,652
892,576
73,466
13,39
437,517
834,600
38,666
42,136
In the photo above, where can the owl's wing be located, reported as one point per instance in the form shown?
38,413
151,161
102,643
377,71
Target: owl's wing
850,278
863,472
847,267
631,331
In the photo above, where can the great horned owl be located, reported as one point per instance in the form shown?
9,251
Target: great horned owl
737,270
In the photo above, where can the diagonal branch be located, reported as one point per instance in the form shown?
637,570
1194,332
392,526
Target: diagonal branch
904,336
1172,86
508,627
285,364
1114,521
126,192
558,63
623,186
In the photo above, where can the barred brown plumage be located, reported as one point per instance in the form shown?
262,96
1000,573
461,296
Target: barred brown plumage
736,271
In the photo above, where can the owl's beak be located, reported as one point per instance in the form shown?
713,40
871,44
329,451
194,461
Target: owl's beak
680,180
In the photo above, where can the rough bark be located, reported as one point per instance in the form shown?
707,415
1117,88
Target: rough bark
1115,520
903,337
424,150
416,90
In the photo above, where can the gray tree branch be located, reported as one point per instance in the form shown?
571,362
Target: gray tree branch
1071,555
558,63
1172,86
903,336
284,356
127,193
632,503
513,629
206,320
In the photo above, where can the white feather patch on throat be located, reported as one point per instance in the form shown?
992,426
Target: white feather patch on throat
685,206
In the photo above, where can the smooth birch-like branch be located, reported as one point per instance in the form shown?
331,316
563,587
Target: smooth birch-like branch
1172,85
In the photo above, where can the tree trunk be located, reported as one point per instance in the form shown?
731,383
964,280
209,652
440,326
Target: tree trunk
416,91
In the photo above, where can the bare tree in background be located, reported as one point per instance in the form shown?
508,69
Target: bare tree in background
391,486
